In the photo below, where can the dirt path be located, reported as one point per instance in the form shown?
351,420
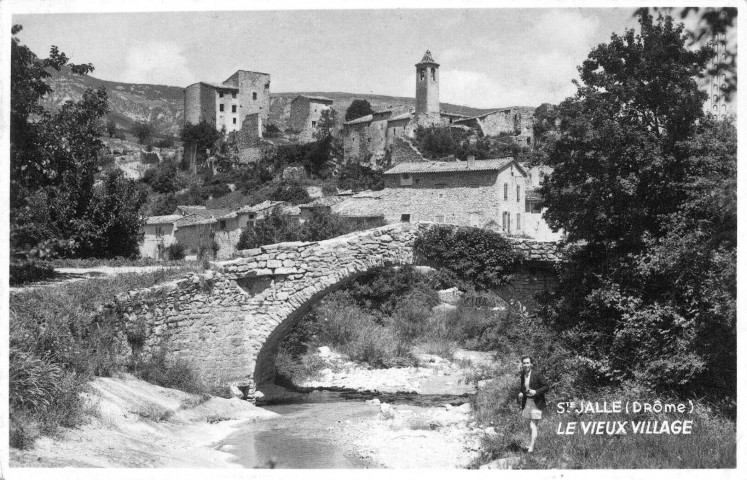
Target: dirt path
143,425
75,274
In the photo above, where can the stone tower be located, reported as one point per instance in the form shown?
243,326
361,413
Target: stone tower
426,86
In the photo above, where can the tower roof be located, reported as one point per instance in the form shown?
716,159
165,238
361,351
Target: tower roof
427,59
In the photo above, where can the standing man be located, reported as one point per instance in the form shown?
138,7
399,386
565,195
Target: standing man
532,395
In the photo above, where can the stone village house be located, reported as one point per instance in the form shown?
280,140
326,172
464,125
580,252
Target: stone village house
305,112
485,193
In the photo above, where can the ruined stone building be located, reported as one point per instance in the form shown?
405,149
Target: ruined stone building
305,114
517,122
229,104
366,139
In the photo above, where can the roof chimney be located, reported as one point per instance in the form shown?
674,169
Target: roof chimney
471,161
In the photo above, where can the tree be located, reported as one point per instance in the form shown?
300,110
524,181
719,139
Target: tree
53,157
358,108
202,136
291,192
144,132
711,22
644,186
273,228
111,127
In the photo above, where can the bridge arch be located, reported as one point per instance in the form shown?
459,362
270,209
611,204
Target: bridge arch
229,321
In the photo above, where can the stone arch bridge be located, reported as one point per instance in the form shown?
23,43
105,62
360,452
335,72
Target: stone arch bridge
229,321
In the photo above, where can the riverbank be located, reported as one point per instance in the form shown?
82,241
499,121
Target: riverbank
437,432
138,424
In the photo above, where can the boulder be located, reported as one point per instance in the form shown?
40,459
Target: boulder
450,295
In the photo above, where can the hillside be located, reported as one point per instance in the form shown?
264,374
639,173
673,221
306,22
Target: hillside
160,104
164,105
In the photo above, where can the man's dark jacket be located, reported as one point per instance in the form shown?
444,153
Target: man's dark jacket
538,383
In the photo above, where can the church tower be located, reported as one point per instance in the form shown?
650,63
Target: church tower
426,86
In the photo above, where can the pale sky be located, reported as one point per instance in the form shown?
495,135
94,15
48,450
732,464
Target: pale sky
489,57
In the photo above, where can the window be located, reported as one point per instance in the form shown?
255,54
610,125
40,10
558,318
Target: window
221,107
439,219
220,94
313,124
233,95
405,218
529,141
405,179
506,222
254,95
234,120
505,191
433,73
422,74
267,86
222,225
417,181
518,193
233,108
159,231
518,222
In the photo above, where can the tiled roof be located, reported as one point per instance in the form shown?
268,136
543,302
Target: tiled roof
450,114
403,116
322,202
366,119
221,86
158,219
427,58
359,207
260,207
437,167
314,98
290,210
193,219
189,209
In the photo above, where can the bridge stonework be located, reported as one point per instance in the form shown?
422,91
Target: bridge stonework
228,321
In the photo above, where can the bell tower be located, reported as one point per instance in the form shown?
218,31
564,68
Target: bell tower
426,86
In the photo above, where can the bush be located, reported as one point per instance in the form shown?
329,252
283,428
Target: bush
21,272
165,143
290,192
177,374
175,251
273,228
483,258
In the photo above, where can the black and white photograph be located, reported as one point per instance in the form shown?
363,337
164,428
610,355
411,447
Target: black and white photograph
393,236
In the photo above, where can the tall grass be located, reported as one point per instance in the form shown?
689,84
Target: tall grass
59,339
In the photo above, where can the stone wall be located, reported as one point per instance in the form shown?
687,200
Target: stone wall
199,104
229,321
250,133
403,151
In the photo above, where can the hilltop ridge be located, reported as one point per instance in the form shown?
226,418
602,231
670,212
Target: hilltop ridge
163,105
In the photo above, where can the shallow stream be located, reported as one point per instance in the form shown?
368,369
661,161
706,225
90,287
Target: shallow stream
304,434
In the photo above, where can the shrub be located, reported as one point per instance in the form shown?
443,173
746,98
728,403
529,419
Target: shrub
291,192
480,257
175,251
34,381
165,143
27,271
157,369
